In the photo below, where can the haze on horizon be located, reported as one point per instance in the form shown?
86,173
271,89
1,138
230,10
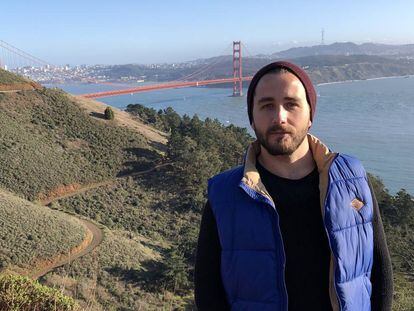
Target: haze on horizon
107,32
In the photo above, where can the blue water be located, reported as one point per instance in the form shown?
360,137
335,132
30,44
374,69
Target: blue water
372,119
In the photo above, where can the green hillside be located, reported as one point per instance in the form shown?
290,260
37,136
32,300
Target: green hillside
10,81
47,142
6,77
23,294
31,233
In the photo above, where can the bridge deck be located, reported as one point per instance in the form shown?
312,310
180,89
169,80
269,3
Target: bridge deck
162,86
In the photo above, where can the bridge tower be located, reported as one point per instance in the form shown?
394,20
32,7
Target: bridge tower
237,69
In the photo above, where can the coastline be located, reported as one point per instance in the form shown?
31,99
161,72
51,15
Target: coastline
369,79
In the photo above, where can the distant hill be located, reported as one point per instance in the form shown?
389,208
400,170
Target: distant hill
328,63
325,63
334,68
324,68
349,48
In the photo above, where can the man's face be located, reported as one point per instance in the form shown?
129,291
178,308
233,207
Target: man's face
281,113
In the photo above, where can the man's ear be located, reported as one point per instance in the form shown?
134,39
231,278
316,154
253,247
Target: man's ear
310,124
253,127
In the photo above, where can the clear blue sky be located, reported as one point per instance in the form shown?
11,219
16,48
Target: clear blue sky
115,32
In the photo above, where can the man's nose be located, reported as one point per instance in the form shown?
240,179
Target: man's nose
280,115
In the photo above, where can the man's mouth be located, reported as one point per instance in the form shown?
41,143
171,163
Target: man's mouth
278,133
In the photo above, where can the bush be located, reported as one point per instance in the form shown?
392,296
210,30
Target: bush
163,120
21,293
174,273
109,113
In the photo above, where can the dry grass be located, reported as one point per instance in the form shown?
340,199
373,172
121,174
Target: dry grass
109,277
31,233
21,293
122,118
10,82
47,141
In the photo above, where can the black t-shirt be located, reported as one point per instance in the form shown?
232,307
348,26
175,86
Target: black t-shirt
304,238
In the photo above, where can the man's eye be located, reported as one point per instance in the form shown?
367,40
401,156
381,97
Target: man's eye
267,106
291,104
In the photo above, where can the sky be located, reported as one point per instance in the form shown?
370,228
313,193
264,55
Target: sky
157,31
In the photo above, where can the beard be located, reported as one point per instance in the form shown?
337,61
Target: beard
281,145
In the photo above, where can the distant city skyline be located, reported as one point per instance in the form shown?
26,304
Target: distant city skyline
107,32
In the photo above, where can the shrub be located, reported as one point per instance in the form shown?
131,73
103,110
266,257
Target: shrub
174,273
109,113
21,293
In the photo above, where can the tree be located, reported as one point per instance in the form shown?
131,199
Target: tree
404,207
174,275
109,113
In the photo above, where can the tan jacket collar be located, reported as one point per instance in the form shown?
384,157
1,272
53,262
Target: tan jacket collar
321,154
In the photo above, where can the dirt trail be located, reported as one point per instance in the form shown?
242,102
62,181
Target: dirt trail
93,238
94,235
82,189
91,186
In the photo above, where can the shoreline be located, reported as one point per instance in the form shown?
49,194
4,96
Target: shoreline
369,79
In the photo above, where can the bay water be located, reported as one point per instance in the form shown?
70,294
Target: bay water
372,120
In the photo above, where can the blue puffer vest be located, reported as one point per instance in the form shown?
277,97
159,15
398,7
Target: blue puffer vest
252,257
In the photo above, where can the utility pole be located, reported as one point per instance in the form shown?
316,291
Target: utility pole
323,37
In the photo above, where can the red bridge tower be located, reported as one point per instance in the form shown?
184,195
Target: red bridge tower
237,69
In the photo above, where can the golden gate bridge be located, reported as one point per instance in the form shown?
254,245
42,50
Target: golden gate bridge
187,81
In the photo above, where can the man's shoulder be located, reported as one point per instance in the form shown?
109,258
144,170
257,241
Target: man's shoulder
227,175
223,185
349,160
344,162
233,175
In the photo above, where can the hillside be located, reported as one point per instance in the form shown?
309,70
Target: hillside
48,144
52,144
321,68
12,82
334,68
326,68
23,294
349,48
96,110
32,235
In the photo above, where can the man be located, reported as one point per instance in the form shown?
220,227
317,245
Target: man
296,227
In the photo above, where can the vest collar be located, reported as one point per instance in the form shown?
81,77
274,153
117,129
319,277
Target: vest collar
322,156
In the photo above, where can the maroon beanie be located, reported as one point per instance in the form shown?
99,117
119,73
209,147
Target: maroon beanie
297,71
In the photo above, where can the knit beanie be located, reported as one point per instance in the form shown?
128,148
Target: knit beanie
294,69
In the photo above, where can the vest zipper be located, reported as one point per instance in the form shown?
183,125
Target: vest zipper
269,201
334,264
284,260
330,247
282,247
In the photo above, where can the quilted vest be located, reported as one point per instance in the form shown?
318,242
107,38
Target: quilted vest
252,255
